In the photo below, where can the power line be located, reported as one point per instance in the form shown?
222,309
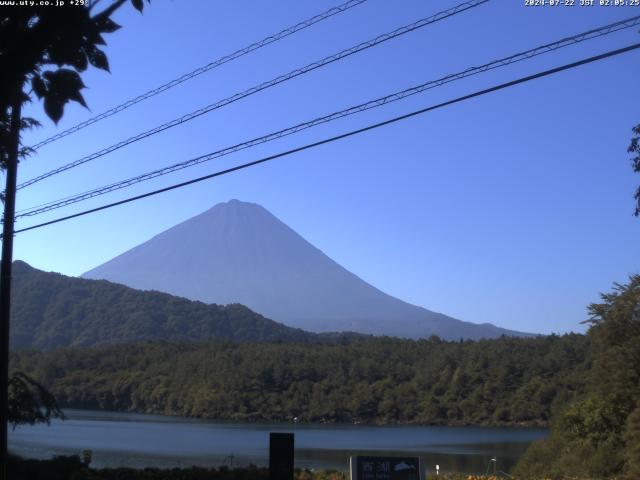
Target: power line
282,78
344,135
549,47
205,68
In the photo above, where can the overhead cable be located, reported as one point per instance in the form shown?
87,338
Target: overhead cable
258,88
549,47
341,136
200,70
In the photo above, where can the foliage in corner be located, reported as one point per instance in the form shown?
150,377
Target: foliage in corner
598,436
30,402
43,51
634,148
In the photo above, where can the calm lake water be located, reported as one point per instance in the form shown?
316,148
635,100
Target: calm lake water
135,440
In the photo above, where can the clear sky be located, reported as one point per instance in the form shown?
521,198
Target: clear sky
514,208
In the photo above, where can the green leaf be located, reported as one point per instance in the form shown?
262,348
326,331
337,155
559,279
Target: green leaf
54,108
28,123
98,59
64,81
39,87
106,25
77,97
80,61
63,85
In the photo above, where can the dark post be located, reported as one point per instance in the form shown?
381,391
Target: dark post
281,456
5,278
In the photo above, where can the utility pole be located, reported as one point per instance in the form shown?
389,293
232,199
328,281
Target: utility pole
5,275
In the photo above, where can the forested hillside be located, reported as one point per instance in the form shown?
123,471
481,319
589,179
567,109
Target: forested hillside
50,310
504,381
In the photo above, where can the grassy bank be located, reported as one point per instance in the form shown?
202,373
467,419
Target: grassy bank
71,468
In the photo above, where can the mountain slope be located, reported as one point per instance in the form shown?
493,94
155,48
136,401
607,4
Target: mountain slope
238,252
50,310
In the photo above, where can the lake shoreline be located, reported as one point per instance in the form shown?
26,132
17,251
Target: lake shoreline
156,441
257,420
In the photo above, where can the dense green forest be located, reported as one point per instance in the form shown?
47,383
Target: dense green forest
50,310
598,434
505,381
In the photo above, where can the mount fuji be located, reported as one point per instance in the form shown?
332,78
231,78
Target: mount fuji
238,252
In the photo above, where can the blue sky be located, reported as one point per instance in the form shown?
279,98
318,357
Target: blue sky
514,208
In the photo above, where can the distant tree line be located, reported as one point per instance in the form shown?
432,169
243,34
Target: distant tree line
506,381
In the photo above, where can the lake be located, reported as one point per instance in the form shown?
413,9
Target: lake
138,440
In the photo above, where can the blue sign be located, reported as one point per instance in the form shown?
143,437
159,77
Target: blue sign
385,468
